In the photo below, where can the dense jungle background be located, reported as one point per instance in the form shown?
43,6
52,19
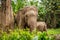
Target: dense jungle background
48,11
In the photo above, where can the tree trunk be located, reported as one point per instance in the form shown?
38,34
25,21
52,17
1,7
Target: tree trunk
7,19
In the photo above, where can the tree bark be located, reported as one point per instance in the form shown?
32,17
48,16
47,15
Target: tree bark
7,19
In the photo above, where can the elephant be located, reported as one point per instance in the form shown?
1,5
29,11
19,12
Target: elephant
41,26
27,17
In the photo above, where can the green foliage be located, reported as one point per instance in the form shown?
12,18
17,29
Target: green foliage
13,6
44,36
18,5
53,31
25,35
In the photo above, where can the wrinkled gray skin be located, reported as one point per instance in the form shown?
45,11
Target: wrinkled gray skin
27,17
31,19
41,26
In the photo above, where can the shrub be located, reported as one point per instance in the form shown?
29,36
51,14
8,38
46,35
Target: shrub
25,35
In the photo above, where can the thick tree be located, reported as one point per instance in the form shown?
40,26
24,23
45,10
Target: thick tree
6,18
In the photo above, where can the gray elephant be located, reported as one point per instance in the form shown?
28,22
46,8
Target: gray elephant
41,26
27,17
